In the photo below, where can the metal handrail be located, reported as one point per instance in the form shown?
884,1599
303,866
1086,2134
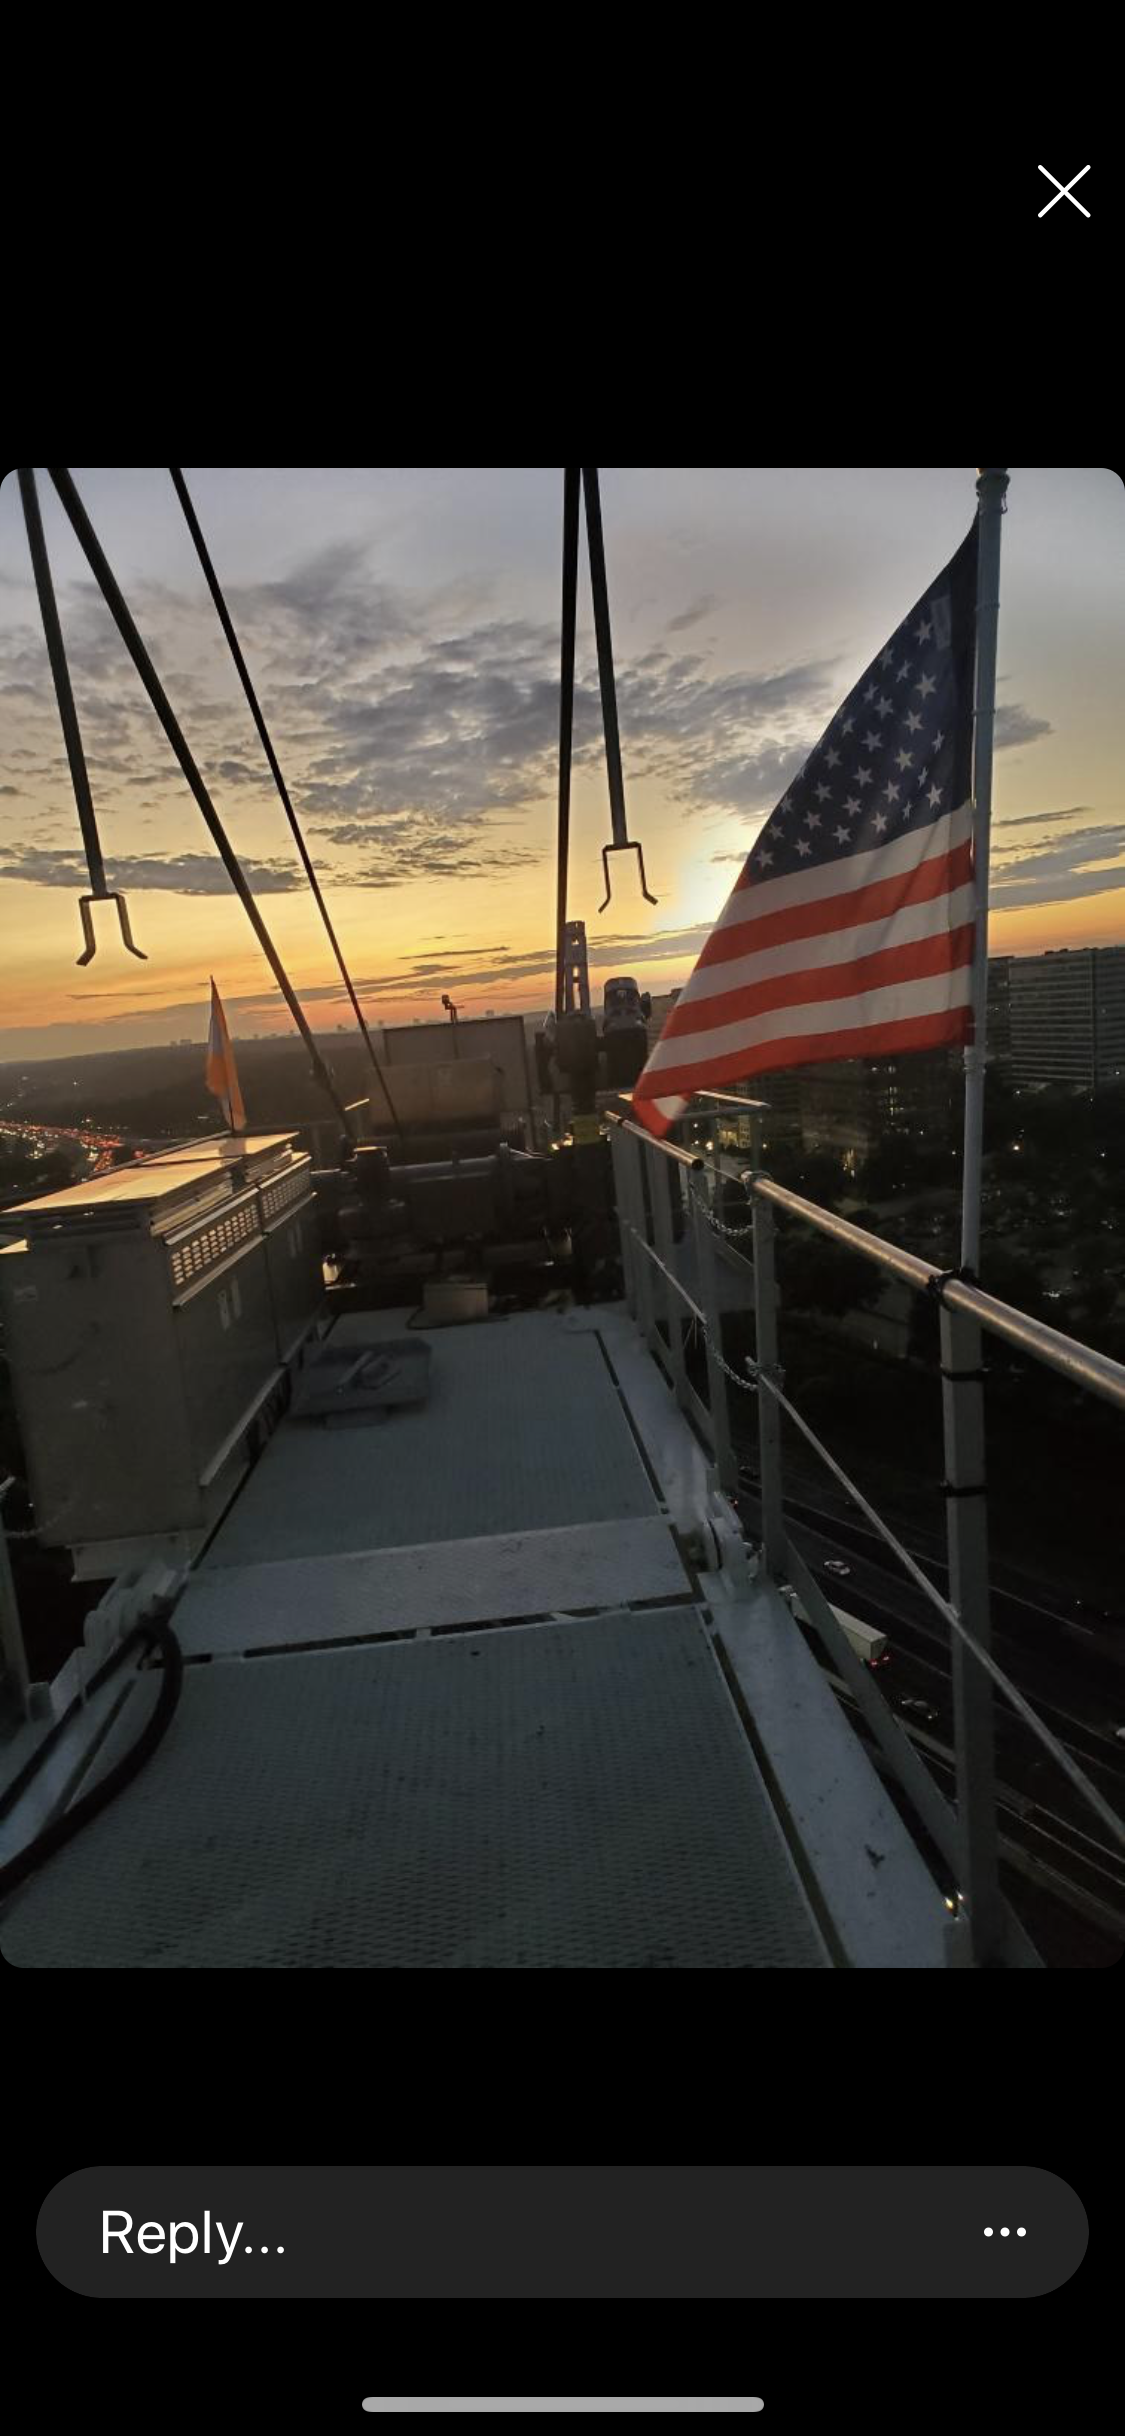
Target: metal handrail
686,1158
723,1099
1097,1371
1092,1370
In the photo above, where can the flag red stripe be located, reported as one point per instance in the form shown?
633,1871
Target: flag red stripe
805,1048
647,1114
912,961
935,878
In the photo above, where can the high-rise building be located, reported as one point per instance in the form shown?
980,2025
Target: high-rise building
1109,1015
1068,1017
854,1102
998,1038
661,1009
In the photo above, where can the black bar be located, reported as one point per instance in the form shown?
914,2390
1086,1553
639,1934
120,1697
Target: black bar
56,653
566,711
605,651
215,590
126,627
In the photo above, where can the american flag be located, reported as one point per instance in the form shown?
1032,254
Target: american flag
849,930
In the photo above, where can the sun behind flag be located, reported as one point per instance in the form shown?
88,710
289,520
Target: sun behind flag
850,928
221,1077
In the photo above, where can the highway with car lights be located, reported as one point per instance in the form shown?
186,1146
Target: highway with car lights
1051,1831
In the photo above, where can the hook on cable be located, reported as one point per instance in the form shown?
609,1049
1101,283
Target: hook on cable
600,591
626,845
106,896
68,715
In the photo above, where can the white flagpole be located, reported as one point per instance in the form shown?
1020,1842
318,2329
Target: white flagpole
991,486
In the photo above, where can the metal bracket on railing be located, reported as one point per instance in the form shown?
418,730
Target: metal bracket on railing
965,1276
626,845
110,896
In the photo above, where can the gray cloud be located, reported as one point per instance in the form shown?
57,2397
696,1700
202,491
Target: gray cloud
417,733
1037,820
620,947
191,875
408,846
1060,870
689,617
1015,725
237,773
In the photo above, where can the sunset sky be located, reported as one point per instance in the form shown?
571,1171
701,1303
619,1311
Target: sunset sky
402,629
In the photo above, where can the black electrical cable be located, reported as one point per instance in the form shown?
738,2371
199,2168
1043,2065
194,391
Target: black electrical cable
158,1631
215,590
127,629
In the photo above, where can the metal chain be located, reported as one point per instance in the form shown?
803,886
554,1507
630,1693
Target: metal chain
732,1231
750,1386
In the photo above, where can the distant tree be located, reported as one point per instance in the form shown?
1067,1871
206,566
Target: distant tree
1090,1255
1111,1336
895,1164
820,1177
53,1171
1002,1109
1109,1126
814,1274
1088,1308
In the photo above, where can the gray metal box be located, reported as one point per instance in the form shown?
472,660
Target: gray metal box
148,1314
448,1299
500,1038
291,1234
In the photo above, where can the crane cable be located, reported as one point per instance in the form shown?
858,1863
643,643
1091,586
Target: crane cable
126,627
215,590
99,892
571,481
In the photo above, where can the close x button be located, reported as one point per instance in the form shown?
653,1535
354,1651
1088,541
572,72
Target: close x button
1064,192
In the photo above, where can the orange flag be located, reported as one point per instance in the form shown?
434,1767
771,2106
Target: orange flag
221,1076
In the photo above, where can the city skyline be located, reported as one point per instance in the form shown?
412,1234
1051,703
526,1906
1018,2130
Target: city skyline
402,629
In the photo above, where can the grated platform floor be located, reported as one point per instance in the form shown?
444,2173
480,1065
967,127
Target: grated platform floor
523,1431
303,1599
570,1794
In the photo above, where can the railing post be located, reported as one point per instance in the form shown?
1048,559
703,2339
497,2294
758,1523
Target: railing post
645,1300
13,1656
665,1181
619,1150
707,1272
775,1546
967,1534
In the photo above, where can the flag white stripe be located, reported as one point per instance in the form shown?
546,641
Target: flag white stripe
929,996
858,871
927,920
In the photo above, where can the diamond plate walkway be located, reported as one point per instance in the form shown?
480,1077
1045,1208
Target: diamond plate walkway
466,1776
